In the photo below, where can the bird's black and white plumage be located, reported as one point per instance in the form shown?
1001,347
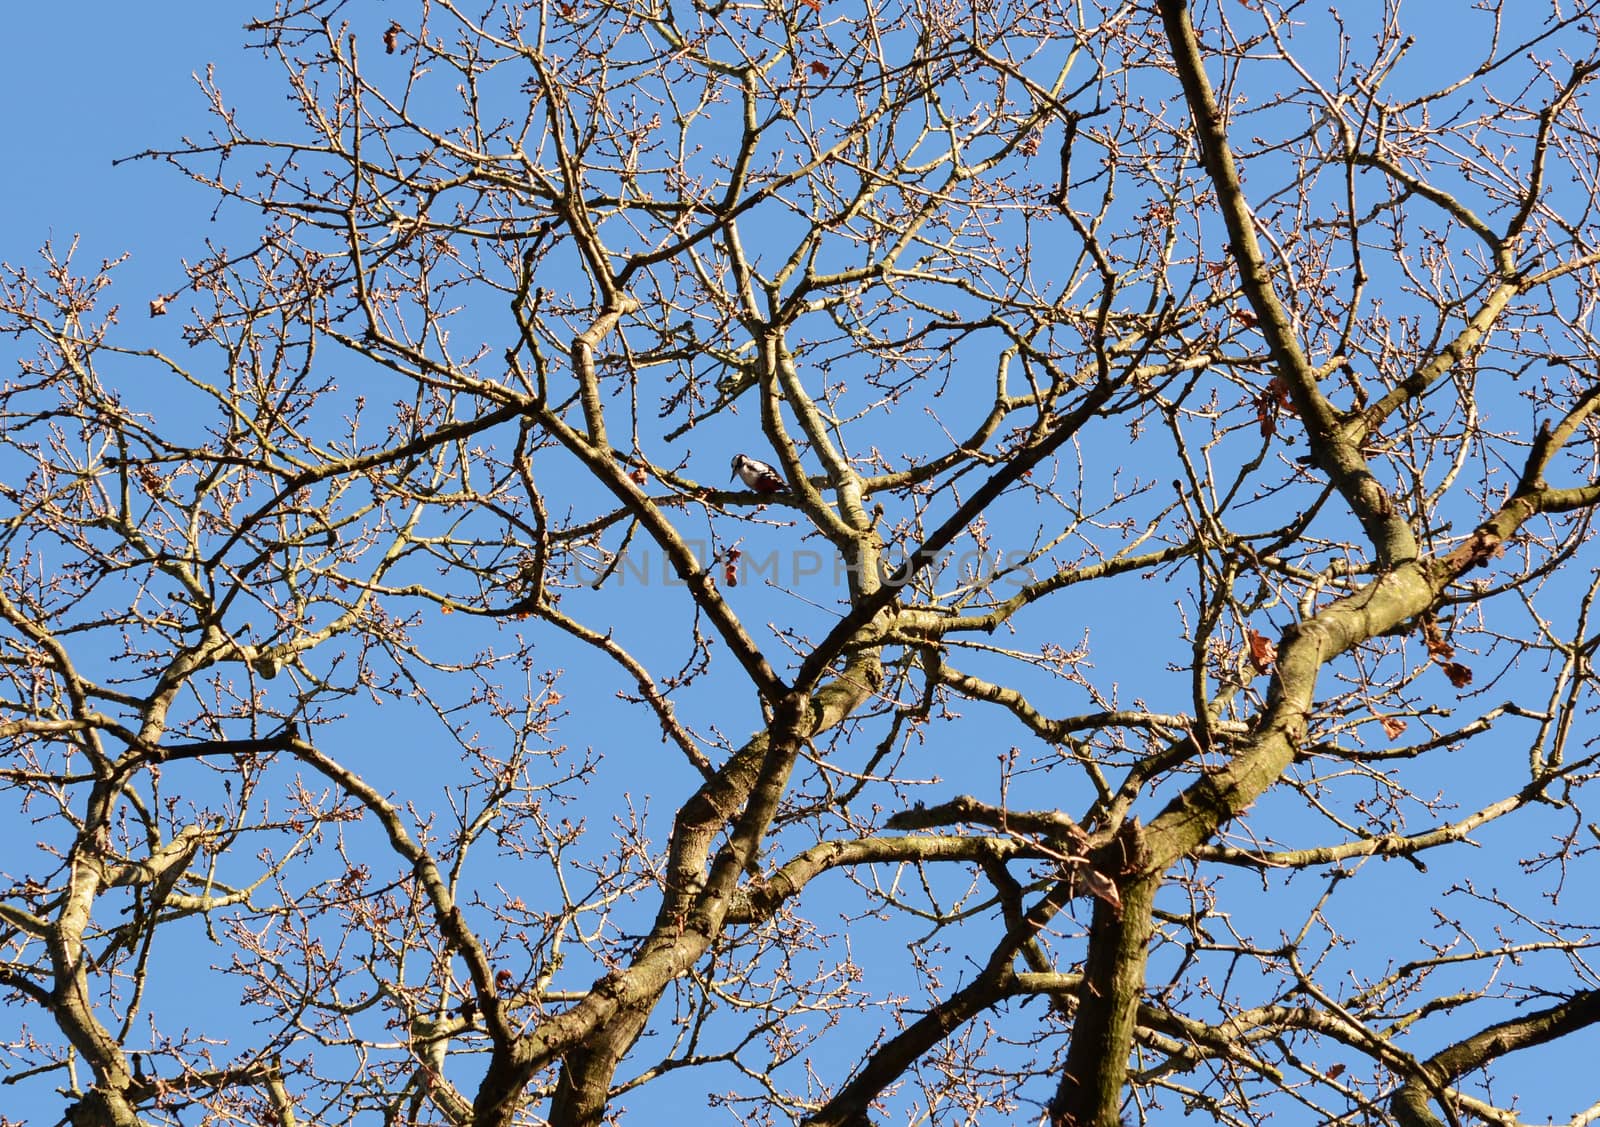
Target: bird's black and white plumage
759,476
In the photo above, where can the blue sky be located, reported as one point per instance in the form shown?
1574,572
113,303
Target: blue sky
105,81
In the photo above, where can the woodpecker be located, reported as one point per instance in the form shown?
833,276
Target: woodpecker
759,476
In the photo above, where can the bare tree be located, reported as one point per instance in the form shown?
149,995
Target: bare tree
1185,417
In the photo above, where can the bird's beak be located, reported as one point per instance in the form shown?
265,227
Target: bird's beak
734,474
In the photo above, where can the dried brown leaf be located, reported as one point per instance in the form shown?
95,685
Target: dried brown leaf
1263,651
1266,414
1100,886
1433,638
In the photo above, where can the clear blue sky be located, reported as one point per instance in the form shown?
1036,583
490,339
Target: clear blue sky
92,82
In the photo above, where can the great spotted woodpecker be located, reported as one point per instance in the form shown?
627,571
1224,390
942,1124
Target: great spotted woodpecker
757,475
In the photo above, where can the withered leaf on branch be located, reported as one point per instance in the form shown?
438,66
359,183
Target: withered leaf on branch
1263,651
1460,676
1266,415
1433,638
1100,886
1271,401
391,38
1280,393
